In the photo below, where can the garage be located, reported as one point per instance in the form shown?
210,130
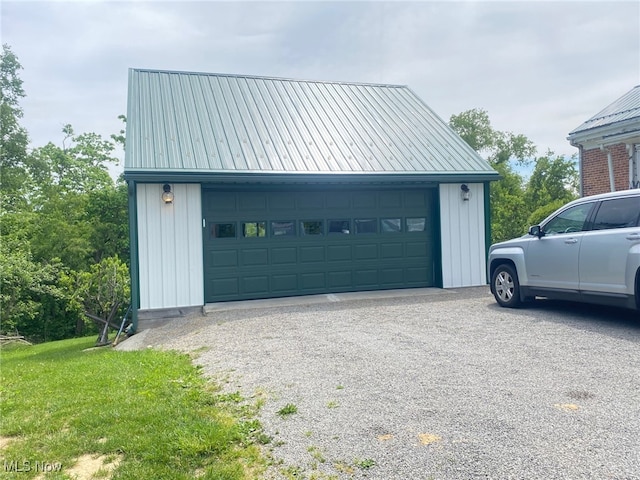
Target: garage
299,242
244,187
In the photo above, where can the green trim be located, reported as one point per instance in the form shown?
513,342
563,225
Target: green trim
134,270
487,220
157,176
437,239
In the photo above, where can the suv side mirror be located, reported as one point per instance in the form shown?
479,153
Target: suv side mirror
536,231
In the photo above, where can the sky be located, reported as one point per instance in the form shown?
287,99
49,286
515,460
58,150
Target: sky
539,68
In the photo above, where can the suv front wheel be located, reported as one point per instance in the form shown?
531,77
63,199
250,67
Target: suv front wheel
505,286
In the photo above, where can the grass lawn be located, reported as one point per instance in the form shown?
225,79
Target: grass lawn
69,411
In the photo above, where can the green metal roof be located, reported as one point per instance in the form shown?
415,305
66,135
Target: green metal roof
197,125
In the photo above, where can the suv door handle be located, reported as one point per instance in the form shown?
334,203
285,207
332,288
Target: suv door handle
570,241
633,236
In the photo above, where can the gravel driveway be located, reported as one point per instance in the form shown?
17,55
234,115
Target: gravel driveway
431,386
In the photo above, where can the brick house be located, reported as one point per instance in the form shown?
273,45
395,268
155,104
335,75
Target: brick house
609,147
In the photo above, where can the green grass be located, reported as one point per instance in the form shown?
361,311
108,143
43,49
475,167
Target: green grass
152,410
288,409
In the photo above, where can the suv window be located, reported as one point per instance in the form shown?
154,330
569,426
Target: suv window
617,213
570,220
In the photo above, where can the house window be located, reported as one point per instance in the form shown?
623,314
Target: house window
254,229
224,230
416,224
366,225
391,225
340,226
283,228
312,227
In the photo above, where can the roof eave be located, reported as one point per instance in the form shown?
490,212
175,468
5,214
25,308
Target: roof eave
160,176
627,131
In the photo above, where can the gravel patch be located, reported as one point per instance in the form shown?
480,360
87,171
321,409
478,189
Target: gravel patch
444,386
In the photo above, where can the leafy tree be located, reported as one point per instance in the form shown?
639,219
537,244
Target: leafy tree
105,293
13,137
554,179
475,128
61,214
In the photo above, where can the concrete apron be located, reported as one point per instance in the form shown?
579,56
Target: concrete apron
159,317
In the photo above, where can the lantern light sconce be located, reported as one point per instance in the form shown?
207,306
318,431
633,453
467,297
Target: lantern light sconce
167,194
466,193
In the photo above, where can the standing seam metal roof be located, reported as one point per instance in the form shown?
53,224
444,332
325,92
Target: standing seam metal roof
624,108
199,122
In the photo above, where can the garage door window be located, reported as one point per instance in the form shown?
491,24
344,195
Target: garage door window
311,227
391,225
284,228
340,226
416,224
254,229
366,225
224,230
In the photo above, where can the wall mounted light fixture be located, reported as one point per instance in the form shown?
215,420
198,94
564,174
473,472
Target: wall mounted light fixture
167,194
466,193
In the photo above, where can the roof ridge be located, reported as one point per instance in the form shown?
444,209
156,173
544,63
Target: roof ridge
266,77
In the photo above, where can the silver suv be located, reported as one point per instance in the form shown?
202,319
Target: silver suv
588,250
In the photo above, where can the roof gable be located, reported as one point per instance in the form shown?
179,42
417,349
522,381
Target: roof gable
211,123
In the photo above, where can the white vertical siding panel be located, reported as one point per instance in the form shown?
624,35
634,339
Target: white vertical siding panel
462,229
170,247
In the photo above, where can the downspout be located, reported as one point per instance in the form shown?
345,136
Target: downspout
612,182
581,167
633,172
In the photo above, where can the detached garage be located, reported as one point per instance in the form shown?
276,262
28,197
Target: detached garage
250,187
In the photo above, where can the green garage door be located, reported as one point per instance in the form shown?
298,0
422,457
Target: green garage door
275,244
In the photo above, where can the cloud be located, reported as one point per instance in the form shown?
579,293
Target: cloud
538,68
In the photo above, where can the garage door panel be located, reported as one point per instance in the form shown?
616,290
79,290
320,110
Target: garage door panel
414,199
301,242
391,250
281,283
339,253
313,280
417,249
284,255
312,254
226,286
255,257
340,279
256,285
366,277
392,276
253,201
391,200
418,275
365,251
363,200
338,200
280,201
224,258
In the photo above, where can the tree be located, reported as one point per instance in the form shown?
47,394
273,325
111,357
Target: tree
554,179
105,293
475,128
13,137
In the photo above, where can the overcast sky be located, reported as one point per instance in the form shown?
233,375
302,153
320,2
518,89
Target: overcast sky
539,68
